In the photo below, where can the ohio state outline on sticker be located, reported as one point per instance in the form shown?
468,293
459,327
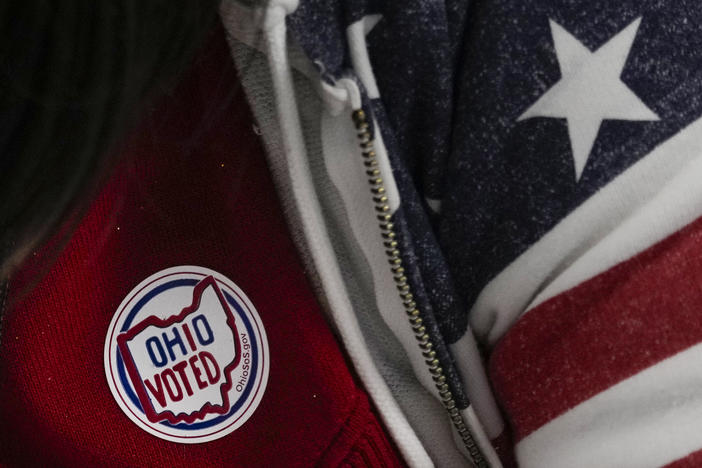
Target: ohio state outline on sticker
186,355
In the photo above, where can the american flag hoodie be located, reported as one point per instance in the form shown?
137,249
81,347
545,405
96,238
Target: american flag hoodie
499,201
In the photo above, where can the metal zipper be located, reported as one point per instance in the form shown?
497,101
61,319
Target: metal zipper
382,208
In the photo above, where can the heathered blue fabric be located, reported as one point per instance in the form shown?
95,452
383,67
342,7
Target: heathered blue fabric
425,268
413,61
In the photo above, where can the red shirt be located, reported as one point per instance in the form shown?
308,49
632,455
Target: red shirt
191,188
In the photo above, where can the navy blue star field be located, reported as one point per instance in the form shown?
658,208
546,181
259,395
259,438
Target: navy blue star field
508,180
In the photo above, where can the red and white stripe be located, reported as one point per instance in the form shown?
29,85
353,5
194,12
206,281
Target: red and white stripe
597,328
610,372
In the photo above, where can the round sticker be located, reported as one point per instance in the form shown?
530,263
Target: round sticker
186,355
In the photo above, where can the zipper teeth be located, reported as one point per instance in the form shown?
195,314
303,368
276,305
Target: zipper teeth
387,230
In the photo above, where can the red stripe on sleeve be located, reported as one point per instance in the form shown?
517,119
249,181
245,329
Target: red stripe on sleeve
595,335
693,460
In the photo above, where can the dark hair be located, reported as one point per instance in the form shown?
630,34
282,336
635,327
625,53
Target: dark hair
73,75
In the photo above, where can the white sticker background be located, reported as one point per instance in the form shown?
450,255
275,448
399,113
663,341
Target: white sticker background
186,372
